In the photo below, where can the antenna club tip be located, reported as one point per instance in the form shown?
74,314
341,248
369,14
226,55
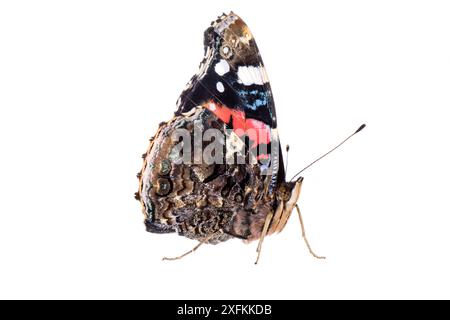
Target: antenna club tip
287,148
360,128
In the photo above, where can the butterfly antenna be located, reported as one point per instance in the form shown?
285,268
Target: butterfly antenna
287,158
327,153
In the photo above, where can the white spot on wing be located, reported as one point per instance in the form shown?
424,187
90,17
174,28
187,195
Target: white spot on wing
264,74
249,75
222,67
220,87
212,106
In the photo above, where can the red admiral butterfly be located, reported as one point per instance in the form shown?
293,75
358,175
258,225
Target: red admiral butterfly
215,171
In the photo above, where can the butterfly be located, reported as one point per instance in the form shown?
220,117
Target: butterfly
215,171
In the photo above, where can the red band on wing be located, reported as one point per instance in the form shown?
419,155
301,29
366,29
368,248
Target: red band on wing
257,131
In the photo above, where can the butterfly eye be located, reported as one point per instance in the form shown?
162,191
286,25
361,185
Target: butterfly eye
226,51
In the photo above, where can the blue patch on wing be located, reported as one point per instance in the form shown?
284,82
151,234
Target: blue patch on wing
253,99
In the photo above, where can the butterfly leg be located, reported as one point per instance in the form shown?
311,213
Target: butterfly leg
193,249
263,234
304,235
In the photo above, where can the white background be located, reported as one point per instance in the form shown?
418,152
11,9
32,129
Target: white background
84,84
